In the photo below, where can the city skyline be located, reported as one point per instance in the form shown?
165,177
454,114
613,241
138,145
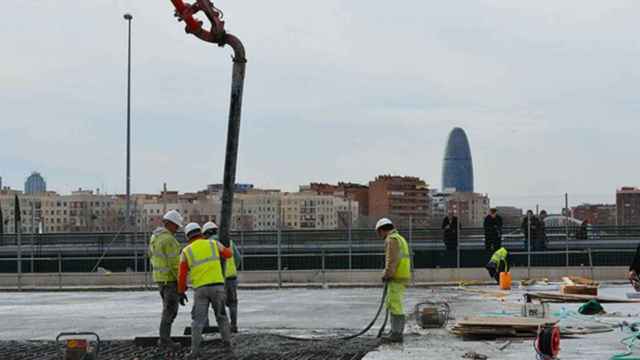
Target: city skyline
545,102
543,200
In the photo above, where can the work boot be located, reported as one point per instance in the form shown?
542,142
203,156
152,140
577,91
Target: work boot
397,329
196,339
169,345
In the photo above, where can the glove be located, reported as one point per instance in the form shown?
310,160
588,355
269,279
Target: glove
183,299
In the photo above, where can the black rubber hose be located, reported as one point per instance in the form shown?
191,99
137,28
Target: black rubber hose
364,331
384,324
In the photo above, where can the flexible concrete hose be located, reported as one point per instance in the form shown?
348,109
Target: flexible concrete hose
362,332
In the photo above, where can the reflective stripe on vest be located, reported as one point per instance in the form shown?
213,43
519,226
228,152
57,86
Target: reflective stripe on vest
230,269
203,258
403,271
164,265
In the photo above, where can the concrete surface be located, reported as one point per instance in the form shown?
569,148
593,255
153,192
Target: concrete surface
304,312
313,277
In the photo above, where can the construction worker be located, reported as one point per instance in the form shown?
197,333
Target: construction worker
499,263
164,252
210,231
202,260
397,274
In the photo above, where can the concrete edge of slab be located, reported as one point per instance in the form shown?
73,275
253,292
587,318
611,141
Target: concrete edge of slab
287,286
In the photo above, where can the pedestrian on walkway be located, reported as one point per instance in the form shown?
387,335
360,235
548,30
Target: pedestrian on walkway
529,228
201,259
164,253
397,274
450,231
492,231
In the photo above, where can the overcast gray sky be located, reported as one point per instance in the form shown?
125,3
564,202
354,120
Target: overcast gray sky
336,90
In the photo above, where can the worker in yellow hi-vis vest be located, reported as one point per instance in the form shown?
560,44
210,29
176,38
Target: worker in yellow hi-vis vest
164,253
397,274
210,231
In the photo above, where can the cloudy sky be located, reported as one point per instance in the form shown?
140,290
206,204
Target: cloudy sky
336,90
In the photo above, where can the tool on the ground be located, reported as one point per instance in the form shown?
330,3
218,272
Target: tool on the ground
432,314
535,310
547,343
78,345
217,35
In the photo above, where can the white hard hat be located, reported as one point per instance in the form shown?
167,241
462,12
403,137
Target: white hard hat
209,226
192,227
173,216
382,222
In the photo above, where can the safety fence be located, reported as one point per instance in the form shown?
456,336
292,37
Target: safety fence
351,250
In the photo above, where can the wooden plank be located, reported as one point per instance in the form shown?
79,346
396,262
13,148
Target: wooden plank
579,290
567,298
505,321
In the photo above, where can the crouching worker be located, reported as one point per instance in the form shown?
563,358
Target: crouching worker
499,263
201,260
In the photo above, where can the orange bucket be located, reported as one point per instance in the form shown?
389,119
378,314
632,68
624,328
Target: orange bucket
505,281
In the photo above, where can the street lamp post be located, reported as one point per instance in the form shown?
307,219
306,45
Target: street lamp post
128,17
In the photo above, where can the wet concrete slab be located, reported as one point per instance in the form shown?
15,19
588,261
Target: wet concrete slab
304,312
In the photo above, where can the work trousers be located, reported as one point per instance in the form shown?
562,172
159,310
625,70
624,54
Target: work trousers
395,297
204,297
169,295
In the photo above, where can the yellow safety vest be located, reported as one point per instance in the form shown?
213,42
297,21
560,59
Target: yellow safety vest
203,258
499,256
403,271
164,254
230,270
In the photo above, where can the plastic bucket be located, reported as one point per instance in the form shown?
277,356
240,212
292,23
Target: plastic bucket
505,281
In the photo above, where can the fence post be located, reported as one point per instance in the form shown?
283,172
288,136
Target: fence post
350,237
279,259
59,270
458,244
241,248
135,254
591,263
413,277
324,275
566,227
529,246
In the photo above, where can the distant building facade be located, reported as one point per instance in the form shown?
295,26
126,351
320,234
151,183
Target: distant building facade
35,184
400,198
596,214
470,208
457,166
511,215
628,206
352,191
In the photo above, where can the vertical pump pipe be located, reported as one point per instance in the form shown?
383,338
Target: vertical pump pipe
219,36
233,136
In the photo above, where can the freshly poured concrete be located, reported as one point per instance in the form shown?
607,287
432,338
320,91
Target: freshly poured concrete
317,312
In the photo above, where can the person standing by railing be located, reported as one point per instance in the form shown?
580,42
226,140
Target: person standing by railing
634,270
492,231
450,232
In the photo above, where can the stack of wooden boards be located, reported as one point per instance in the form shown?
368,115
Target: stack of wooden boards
574,285
500,326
